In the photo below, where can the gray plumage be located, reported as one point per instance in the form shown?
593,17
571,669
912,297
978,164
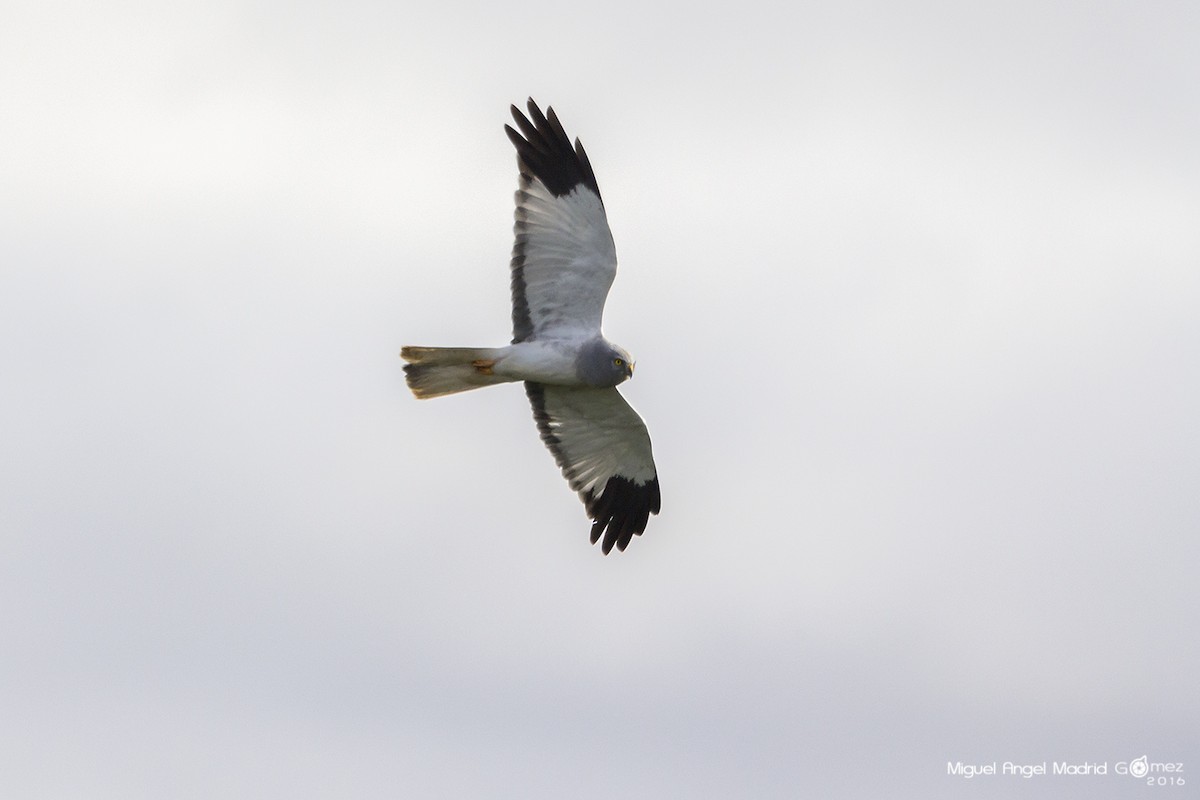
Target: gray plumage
562,266
601,364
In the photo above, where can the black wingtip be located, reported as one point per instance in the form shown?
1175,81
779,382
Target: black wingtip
546,152
622,511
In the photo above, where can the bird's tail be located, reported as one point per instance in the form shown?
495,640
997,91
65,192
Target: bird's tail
435,371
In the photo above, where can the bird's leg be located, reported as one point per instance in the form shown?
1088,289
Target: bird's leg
484,365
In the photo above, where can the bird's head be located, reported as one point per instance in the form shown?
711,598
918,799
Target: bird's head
603,364
622,362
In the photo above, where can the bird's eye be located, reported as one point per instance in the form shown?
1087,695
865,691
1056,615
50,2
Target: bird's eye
618,362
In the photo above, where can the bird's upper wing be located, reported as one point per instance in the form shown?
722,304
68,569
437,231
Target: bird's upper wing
603,448
563,260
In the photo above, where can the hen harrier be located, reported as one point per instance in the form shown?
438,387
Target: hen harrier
563,264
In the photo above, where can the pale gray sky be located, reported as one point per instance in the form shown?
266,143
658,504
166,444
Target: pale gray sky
913,290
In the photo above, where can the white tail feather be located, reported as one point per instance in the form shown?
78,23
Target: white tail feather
437,371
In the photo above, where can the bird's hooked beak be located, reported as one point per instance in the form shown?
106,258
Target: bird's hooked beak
629,369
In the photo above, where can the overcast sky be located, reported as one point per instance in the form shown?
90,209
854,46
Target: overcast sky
913,290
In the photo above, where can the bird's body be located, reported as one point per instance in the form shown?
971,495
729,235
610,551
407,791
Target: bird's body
551,361
562,267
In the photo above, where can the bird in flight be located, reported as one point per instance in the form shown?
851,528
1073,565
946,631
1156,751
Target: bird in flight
563,264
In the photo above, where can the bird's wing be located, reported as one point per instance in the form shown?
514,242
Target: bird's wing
563,260
603,448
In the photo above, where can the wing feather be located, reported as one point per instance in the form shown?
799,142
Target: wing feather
603,449
564,259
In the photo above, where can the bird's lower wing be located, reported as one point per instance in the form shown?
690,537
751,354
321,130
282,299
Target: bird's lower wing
603,448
